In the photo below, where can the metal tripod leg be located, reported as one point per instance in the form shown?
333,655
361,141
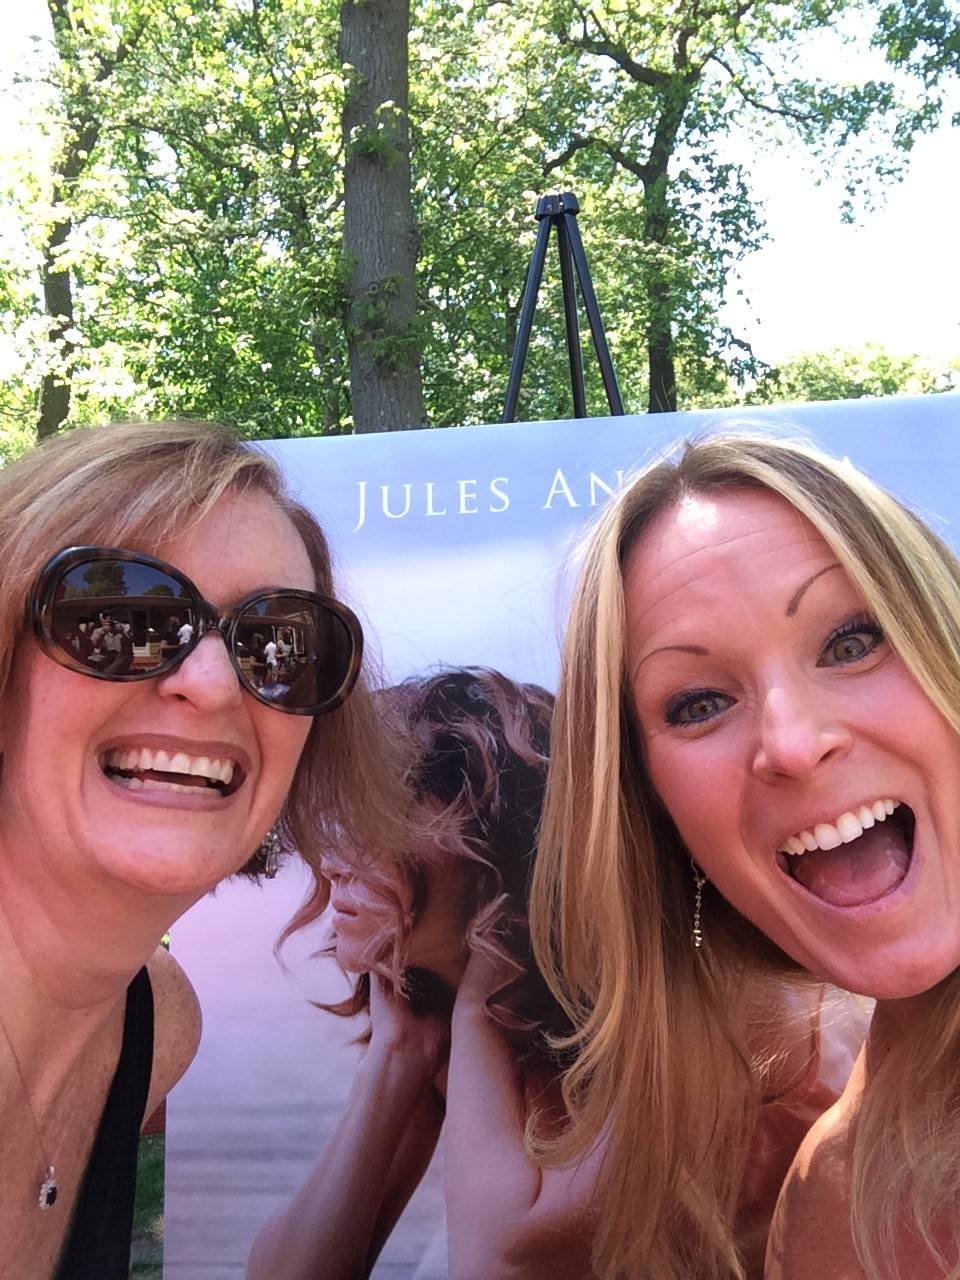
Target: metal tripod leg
525,326
560,209
610,384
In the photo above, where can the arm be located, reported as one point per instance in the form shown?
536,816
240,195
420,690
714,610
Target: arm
337,1223
505,1216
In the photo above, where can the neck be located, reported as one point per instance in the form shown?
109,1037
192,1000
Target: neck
68,952
896,1022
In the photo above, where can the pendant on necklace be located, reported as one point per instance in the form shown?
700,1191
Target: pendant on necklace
48,1190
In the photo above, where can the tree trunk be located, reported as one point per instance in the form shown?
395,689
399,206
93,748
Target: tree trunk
656,228
55,388
82,79
379,228
663,378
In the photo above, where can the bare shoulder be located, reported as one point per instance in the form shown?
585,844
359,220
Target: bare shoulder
176,1025
810,1234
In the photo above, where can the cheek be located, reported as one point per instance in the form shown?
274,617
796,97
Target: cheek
701,795
283,745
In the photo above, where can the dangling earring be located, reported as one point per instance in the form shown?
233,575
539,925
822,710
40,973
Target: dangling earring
268,852
699,879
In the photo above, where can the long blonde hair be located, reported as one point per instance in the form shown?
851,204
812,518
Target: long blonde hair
663,1074
143,483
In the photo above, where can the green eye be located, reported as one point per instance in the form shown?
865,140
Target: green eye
697,706
851,643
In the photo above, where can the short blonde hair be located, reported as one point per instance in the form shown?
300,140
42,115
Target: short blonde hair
661,1053
144,483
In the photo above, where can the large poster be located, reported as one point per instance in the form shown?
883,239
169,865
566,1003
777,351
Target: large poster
456,548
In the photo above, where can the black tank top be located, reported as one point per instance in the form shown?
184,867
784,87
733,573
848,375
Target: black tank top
97,1246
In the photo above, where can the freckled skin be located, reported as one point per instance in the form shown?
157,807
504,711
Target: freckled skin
57,724
762,714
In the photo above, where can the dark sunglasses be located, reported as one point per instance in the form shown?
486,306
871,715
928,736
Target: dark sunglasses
119,615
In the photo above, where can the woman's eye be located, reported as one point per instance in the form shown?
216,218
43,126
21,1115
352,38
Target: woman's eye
851,643
697,706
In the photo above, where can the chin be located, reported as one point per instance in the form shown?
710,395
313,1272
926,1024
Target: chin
352,959
893,980
180,872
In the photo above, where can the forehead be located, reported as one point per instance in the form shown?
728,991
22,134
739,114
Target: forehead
721,549
245,541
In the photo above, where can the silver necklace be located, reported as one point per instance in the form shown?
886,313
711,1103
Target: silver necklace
47,1196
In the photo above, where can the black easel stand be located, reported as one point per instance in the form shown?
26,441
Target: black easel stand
560,210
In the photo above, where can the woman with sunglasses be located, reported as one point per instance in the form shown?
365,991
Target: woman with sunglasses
130,787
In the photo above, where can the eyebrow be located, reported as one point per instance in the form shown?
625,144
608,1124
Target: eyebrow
696,649
794,602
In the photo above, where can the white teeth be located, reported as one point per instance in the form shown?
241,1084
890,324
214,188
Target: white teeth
143,760
849,826
828,837
155,784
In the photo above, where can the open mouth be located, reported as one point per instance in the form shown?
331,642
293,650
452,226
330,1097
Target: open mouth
143,769
861,856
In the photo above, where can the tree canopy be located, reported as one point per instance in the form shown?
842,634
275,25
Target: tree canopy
180,244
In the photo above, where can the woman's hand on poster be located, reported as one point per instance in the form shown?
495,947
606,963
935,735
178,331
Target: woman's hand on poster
488,971
418,1041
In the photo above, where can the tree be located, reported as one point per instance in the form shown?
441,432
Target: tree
222,266
852,375
643,111
670,82
86,63
379,230
922,37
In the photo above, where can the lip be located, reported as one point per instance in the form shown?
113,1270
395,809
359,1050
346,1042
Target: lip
341,908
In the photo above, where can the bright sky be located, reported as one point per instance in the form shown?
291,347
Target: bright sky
891,279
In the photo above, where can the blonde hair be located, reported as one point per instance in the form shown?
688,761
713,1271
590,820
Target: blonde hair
142,484
662,1071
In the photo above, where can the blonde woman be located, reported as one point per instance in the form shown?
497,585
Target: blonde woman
754,777
127,794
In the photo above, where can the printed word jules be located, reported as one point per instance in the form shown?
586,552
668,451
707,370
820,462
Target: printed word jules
467,498
456,497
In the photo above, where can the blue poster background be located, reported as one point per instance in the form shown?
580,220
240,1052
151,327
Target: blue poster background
456,547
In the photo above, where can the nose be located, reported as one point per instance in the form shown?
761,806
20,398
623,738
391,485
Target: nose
206,677
797,735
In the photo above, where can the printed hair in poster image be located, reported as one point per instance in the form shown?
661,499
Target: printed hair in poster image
457,548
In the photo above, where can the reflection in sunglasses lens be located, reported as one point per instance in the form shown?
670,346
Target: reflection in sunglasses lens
121,617
299,652
129,618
